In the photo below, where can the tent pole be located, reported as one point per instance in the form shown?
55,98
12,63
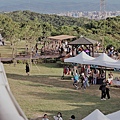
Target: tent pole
92,51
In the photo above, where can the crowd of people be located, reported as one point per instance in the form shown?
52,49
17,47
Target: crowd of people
89,77
63,48
57,117
94,75
111,52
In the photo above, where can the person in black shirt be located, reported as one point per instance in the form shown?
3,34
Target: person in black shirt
27,68
107,91
103,91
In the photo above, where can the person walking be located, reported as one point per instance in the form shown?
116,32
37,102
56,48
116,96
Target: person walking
27,68
76,80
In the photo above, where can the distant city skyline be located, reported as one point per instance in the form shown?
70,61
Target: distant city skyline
57,6
96,15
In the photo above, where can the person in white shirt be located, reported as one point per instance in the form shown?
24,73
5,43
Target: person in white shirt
58,117
110,78
45,117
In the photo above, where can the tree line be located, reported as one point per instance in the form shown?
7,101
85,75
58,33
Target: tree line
31,26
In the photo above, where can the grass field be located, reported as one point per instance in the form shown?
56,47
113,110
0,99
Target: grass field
44,92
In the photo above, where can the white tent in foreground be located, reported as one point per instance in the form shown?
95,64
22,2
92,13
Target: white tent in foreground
96,115
114,115
9,108
80,58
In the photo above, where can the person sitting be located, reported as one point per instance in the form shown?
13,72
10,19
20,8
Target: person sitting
45,117
72,117
58,117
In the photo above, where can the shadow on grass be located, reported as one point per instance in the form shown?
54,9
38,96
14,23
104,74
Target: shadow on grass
80,102
49,65
48,80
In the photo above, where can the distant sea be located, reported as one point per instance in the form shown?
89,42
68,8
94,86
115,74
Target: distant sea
56,6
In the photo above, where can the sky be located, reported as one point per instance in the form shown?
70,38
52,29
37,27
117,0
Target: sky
57,5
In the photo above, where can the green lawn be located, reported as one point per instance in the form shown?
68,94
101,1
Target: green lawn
44,92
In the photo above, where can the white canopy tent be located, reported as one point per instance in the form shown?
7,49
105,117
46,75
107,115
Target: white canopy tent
104,60
96,115
80,58
9,108
114,65
114,115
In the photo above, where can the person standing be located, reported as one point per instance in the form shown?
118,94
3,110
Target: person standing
76,80
83,81
107,91
95,76
103,91
27,68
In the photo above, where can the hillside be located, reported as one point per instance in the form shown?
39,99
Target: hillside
18,24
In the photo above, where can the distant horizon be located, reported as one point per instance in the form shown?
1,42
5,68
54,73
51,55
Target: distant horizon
55,6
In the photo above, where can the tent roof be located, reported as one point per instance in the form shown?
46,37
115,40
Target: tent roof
61,37
96,115
83,41
114,65
105,58
80,58
102,60
114,115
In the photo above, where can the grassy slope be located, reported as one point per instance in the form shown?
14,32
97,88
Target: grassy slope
44,92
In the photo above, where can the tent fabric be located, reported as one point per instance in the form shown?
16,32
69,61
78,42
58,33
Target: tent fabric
114,115
80,58
9,108
115,82
96,115
103,60
114,65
